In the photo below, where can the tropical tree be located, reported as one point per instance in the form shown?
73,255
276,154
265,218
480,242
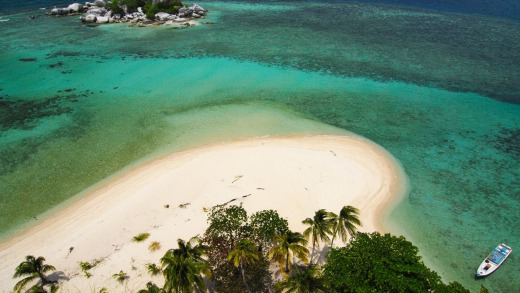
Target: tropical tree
381,263
265,225
345,224
244,252
286,246
184,267
151,288
320,227
227,225
302,280
34,269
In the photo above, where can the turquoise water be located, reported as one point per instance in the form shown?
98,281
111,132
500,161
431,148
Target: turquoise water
440,91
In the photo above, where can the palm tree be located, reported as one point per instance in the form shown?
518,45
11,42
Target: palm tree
184,267
151,288
345,224
245,251
319,228
288,245
303,280
33,268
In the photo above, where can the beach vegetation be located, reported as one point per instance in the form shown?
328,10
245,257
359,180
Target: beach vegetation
141,237
115,6
345,223
154,246
244,252
151,10
319,228
288,245
85,267
120,277
381,263
228,223
228,227
151,288
132,5
33,269
265,225
303,279
153,269
168,6
184,268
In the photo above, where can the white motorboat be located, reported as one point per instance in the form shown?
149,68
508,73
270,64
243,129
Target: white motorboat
493,260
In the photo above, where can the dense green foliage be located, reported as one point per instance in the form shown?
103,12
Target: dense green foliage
150,9
131,5
245,251
287,246
229,228
381,263
168,6
151,288
265,225
184,268
229,223
115,6
304,279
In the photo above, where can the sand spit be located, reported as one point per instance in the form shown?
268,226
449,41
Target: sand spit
167,198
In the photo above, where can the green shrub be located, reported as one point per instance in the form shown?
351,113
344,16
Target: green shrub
132,5
154,246
141,237
114,6
150,13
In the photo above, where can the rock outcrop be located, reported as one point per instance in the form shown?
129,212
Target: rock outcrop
99,12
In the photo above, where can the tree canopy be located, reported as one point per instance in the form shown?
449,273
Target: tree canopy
381,263
228,228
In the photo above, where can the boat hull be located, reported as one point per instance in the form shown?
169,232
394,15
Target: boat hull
494,260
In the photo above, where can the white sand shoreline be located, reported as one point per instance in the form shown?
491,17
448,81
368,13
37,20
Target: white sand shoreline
293,175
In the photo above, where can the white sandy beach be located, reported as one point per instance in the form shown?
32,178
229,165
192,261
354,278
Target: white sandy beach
294,175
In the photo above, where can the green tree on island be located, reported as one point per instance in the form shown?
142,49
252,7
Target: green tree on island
264,226
244,252
227,227
345,224
184,267
304,279
381,263
320,226
33,268
288,245
151,288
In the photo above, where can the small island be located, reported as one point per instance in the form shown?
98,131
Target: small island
142,12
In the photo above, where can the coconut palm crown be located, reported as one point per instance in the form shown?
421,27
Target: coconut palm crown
345,224
245,251
184,267
33,268
320,226
288,245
